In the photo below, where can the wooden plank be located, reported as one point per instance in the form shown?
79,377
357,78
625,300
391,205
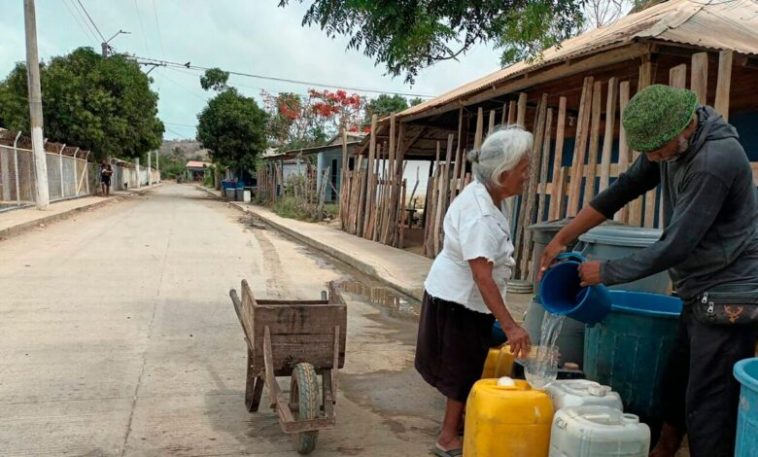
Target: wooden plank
678,76
503,116
699,76
521,113
610,126
542,211
491,123
371,183
512,112
724,83
624,152
460,150
556,195
580,147
529,210
403,215
645,75
389,209
479,129
597,107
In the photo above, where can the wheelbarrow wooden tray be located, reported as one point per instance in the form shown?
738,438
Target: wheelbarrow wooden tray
282,333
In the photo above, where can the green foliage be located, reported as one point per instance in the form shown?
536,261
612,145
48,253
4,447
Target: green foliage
290,207
233,127
409,35
384,105
214,79
415,101
173,165
104,105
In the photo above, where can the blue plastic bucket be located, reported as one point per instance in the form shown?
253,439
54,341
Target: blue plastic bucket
746,372
630,349
561,293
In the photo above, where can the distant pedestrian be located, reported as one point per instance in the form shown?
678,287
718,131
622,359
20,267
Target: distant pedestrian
106,171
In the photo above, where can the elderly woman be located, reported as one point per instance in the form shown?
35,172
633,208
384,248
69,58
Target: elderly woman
466,284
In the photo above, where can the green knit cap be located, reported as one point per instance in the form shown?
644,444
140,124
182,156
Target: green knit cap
656,115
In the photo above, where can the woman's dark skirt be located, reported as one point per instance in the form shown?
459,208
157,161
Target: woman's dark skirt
453,342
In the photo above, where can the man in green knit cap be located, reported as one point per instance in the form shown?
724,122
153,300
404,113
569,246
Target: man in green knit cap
709,246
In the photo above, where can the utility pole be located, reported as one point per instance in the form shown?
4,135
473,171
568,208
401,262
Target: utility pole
105,48
35,107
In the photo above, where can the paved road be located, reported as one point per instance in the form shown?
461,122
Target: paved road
117,338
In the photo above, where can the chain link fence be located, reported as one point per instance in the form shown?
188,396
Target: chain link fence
68,172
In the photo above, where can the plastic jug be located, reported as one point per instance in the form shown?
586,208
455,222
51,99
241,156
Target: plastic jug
582,392
499,362
507,420
562,294
598,431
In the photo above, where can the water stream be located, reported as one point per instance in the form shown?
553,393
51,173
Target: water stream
541,366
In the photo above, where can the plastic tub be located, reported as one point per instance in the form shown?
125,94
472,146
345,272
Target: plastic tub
630,348
613,241
746,372
542,234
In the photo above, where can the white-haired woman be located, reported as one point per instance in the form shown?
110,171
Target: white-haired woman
465,288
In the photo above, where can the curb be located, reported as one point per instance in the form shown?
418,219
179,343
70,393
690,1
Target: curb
363,267
20,228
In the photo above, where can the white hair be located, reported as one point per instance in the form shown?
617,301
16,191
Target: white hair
501,151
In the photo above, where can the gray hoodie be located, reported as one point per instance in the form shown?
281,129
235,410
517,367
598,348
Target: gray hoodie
710,212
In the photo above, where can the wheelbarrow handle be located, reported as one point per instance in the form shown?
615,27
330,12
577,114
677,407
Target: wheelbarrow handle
237,305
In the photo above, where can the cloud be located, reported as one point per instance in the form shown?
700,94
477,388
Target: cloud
248,36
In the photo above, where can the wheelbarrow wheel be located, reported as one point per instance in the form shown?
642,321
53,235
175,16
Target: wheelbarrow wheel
304,392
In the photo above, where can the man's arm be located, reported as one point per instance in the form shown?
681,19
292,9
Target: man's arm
697,207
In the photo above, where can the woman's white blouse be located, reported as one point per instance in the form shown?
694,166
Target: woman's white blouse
474,227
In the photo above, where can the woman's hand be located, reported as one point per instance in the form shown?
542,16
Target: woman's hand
553,248
518,340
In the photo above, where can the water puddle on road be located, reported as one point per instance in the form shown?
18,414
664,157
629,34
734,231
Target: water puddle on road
396,304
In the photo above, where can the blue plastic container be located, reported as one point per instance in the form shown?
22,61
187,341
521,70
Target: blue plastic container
561,293
746,372
630,348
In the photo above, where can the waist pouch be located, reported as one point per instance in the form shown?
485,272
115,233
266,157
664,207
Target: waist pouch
728,304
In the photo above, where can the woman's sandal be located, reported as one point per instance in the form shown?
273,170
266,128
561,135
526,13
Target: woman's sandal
439,452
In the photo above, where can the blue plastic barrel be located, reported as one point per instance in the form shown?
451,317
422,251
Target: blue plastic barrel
630,348
562,294
746,372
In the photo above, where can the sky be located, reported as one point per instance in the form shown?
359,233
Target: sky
252,36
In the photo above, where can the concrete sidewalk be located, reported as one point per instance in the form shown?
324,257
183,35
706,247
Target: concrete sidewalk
17,221
398,269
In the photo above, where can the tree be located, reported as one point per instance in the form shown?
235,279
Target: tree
384,105
233,128
408,35
101,104
214,79
297,121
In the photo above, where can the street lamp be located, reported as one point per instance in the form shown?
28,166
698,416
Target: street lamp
106,47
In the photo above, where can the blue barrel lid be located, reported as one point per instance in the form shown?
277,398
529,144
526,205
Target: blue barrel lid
746,372
645,304
622,235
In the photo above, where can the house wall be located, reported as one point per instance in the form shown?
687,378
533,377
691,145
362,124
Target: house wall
333,160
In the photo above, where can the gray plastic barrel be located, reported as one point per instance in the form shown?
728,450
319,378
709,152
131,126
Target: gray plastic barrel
229,194
239,194
542,233
570,341
613,241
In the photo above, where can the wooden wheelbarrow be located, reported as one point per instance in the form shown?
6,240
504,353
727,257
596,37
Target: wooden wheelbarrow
301,339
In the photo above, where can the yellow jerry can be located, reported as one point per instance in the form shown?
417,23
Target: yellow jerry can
499,362
507,418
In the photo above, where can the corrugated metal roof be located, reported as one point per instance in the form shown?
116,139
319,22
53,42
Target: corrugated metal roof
710,24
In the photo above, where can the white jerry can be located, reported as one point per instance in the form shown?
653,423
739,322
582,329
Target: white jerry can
598,431
582,392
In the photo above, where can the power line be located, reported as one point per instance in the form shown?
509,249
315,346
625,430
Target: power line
84,21
188,65
90,19
157,26
78,21
141,26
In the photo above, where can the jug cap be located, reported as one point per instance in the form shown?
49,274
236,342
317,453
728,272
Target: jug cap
506,381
